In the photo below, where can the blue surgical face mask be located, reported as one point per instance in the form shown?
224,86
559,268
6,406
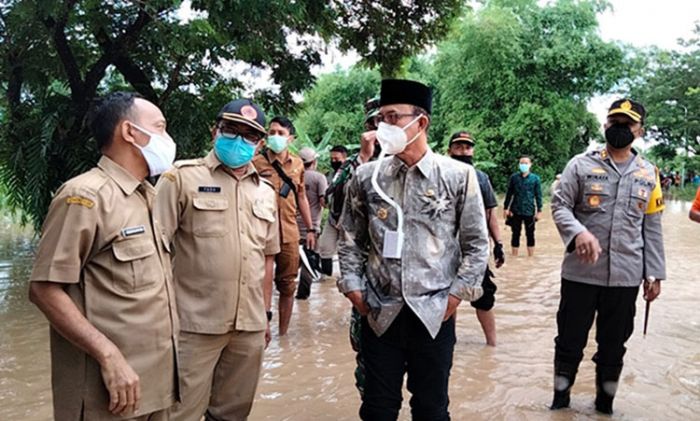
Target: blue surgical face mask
524,168
276,143
234,152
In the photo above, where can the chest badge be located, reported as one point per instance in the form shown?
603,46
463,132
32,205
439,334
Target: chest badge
594,201
382,213
430,192
597,187
209,189
131,231
643,193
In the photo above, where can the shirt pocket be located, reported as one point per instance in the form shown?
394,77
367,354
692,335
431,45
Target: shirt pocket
264,213
209,217
137,266
639,199
596,196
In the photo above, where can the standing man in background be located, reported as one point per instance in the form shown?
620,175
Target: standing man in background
102,276
221,218
315,186
461,148
523,205
607,209
339,154
286,173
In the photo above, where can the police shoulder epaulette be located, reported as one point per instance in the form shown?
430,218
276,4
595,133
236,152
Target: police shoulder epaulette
187,162
170,175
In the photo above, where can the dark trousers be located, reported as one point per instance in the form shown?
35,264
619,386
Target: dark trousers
614,323
406,347
487,300
518,221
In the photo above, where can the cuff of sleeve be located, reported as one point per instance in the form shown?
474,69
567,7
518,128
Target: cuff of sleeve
571,236
465,291
349,283
56,273
272,250
658,275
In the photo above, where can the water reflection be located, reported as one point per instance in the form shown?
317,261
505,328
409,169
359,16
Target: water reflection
309,374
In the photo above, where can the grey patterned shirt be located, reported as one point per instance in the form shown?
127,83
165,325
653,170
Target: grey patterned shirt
445,247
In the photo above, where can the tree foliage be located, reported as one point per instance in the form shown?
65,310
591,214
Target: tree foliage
669,88
518,75
59,55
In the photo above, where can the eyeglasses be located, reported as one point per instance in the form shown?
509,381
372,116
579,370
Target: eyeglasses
249,135
391,118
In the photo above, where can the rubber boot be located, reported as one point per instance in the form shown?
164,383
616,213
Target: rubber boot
564,377
606,380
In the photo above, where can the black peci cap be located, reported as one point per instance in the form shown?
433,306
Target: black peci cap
244,111
402,91
632,109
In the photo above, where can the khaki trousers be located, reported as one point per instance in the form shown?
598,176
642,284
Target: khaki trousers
327,245
218,375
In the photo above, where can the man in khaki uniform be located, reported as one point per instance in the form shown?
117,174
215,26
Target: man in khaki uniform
102,277
291,194
221,218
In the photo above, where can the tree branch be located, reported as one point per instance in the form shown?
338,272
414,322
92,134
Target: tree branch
57,28
174,82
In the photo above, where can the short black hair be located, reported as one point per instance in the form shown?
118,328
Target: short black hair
106,113
525,156
340,148
284,122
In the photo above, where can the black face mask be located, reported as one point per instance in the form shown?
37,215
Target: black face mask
619,136
335,165
464,158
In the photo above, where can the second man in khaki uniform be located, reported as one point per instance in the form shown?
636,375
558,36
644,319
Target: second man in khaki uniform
221,218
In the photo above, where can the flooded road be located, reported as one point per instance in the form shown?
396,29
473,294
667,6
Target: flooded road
309,374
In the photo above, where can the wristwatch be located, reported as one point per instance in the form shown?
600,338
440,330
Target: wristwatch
314,230
269,315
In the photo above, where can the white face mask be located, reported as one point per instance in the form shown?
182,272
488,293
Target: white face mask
393,138
159,153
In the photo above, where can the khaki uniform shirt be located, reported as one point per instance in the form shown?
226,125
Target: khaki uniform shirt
445,245
287,207
622,210
99,239
221,229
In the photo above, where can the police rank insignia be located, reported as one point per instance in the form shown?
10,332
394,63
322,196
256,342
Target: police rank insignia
77,200
626,105
594,201
382,213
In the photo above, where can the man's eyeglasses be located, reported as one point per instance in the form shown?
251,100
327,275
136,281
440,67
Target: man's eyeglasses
391,118
249,135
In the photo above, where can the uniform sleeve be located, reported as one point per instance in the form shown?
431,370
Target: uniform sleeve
321,186
563,202
509,194
168,204
488,195
354,243
473,241
272,238
67,237
654,258
696,203
538,194
301,189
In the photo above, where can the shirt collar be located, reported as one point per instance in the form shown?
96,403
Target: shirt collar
268,154
425,164
124,179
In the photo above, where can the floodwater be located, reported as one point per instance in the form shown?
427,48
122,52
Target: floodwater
308,375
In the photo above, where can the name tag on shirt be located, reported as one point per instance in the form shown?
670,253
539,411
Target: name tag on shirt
128,232
209,189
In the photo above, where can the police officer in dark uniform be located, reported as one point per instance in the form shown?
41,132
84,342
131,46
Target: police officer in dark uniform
461,148
607,209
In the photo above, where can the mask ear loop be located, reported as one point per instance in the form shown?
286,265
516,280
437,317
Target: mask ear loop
408,125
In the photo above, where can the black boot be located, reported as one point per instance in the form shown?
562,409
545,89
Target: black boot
564,377
606,379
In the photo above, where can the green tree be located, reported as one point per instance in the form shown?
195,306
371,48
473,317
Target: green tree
669,88
518,76
336,104
59,55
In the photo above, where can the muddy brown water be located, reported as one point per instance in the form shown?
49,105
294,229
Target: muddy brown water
308,375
